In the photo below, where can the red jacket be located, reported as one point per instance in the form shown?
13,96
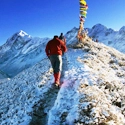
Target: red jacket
55,47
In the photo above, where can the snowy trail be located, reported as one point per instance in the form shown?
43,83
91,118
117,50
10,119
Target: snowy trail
43,106
41,109
67,97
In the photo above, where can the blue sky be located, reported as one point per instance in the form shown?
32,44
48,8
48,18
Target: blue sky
45,18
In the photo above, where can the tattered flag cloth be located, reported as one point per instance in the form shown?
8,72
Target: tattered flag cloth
83,2
82,15
83,9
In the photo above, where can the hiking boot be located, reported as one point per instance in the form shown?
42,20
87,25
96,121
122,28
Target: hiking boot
57,84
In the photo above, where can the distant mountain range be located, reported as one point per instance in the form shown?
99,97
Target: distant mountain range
108,36
22,51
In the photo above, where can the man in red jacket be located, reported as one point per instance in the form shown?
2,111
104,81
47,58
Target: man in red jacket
54,50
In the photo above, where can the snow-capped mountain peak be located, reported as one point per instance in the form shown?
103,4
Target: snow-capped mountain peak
17,40
99,28
21,49
19,37
22,33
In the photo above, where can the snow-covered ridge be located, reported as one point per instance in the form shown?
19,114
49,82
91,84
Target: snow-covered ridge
92,92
